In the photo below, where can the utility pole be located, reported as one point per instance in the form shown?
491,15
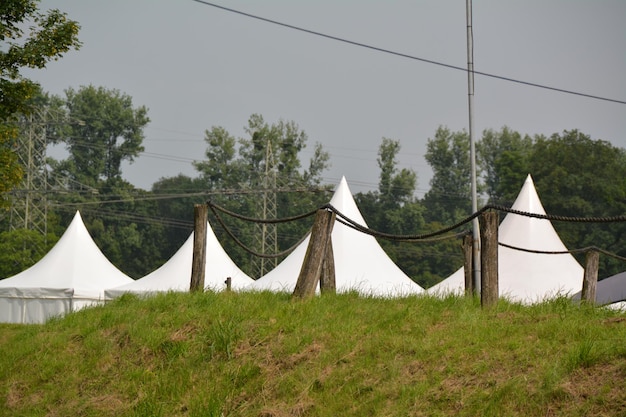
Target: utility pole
470,96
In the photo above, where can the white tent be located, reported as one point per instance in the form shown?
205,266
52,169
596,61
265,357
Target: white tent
74,274
175,274
360,263
524,276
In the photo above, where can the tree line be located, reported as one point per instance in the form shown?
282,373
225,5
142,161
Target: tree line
138,230
265,173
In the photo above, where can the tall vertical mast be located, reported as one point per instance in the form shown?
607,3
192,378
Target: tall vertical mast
470,97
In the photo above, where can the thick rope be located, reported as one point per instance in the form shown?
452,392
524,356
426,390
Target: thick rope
427,237
351,223
246,248
257,220
612,219
571,251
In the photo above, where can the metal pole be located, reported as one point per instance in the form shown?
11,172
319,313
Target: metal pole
470,97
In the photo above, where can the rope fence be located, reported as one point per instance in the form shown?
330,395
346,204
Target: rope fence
320,252
437,235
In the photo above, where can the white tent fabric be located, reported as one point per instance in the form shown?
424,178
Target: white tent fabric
175,274
74,274
523,276
609,290
360,263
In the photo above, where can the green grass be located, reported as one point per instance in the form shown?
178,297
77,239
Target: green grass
264,354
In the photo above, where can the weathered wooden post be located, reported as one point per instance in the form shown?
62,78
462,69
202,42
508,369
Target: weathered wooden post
200,221
590,279
327,277
466,246
229,283
489,258
315,253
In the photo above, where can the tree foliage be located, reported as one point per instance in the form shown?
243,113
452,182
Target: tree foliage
104,130
577,176
449,197
238,171
394,209
21,248
50,36
504,157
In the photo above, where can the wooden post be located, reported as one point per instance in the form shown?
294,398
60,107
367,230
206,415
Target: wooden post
590,279
229,283
200,221
489,258
468,265
315,253
327,277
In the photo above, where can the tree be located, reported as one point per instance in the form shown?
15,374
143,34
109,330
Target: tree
107,130
51,35
236,168
177,212
395,188
394,209
504,159
449,198
577,176
388,208
21,248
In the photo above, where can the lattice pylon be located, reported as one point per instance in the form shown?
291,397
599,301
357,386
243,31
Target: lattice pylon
266,234
29,205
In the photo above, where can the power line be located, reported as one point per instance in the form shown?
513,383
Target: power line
404,55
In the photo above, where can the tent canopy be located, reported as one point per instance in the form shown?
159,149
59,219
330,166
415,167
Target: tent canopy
360,263
175,274
525,276
74,273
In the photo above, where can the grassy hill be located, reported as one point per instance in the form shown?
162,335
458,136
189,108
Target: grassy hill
263,354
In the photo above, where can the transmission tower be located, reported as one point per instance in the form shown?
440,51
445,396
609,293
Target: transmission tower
266,236
29,205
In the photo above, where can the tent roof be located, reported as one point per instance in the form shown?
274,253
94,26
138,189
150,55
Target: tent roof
525,276
175,274
609,290
74,263
360,263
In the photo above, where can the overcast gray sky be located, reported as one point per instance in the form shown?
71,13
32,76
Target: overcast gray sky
196,66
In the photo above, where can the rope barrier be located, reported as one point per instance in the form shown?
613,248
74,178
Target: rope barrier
246,248
257,220
430,237
612,219
571,251
426,237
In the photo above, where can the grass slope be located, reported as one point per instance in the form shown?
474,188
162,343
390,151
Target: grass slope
263,354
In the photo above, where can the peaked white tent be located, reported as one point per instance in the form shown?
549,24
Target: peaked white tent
360,263
524,276
175,274
74,274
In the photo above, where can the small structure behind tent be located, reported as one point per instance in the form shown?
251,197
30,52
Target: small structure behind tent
610,290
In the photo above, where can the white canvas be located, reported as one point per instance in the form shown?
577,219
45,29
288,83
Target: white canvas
523,276
175,274
360,263
72,275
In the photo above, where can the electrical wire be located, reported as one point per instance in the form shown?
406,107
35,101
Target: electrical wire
404,55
